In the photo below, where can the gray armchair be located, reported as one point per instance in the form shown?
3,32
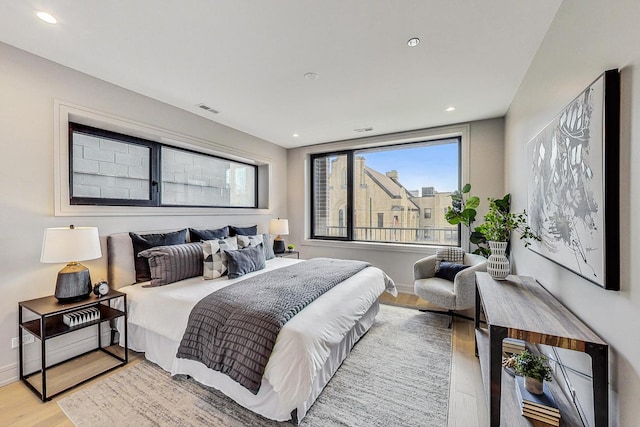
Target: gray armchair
456,295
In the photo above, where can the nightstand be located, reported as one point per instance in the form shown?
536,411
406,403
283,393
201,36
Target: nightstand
51,318
289,254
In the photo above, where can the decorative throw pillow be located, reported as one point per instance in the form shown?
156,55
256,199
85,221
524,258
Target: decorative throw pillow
199,235
253,241
268,246
245,261
450,254
243,231
448,270
142,242
170,264
215,258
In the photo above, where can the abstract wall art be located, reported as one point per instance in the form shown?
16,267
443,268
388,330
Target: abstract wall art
573,189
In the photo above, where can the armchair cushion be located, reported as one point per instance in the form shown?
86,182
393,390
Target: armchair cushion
448,270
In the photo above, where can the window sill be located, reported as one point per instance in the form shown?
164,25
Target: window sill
374,246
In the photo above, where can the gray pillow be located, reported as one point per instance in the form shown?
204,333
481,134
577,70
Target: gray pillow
245,261
453,254
170,264
268,247
215,258
142,242
252,241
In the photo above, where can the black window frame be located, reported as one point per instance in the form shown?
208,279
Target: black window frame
350,154
155,175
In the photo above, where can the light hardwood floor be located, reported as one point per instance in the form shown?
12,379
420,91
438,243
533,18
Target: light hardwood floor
467,408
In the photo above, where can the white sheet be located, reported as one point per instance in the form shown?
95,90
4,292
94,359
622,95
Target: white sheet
303,345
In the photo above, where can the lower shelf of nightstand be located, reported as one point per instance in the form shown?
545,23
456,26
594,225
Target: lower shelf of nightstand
74,372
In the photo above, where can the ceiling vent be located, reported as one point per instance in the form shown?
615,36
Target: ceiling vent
207,108
367,129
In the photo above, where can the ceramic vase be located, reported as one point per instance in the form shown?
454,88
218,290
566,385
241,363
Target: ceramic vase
498,264
533,386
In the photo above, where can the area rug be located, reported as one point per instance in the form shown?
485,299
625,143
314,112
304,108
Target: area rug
397,375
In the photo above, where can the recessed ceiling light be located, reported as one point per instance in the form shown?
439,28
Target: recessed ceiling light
413,42
46,17
450,109
295,135
311,76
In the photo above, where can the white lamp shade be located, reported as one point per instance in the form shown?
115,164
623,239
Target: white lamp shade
279,226
66,244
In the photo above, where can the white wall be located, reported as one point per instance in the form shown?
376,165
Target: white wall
485,172
28,87
586,38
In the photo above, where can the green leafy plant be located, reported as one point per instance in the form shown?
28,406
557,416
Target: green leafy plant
291,247
499,223
532,366
462,211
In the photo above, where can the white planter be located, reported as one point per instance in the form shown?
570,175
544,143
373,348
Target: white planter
498,264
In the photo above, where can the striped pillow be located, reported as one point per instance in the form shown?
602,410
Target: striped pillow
170,264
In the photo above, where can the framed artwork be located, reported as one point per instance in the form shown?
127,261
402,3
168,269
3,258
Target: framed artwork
573,189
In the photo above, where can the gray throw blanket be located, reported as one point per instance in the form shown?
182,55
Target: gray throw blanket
233,330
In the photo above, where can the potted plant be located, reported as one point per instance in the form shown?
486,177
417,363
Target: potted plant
290,247
533,368
463,211
498,224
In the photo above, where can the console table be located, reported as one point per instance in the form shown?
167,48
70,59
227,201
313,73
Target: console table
521,308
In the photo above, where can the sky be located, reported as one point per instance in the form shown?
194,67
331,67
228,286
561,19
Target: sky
427,166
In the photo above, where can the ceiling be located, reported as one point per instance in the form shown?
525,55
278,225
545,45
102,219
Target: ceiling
248,59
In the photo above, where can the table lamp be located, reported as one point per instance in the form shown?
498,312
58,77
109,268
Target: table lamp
278,227
71,244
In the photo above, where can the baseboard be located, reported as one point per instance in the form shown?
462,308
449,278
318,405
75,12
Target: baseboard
404,288
8,374
63,350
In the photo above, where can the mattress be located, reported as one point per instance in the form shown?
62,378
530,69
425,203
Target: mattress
308,350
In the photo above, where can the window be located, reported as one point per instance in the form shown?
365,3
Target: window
401,181
108,168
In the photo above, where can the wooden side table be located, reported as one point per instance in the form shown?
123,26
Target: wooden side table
49,323
521,308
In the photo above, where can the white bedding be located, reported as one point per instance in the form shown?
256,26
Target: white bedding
301,350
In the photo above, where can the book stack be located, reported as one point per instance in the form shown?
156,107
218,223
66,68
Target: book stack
81,317
542,407
512,346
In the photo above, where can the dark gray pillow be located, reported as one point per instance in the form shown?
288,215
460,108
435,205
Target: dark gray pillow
142,242
448,270
170,264
198,235
243,231
245,261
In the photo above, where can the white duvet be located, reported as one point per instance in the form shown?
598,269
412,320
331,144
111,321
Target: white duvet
304,343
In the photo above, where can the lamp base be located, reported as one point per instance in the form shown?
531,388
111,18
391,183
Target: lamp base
278,246
73,283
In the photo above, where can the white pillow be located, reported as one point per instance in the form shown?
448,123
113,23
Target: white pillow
215,259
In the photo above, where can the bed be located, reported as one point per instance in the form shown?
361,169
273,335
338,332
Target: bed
307,352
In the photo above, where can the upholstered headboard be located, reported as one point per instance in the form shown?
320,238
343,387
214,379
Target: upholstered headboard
120,269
